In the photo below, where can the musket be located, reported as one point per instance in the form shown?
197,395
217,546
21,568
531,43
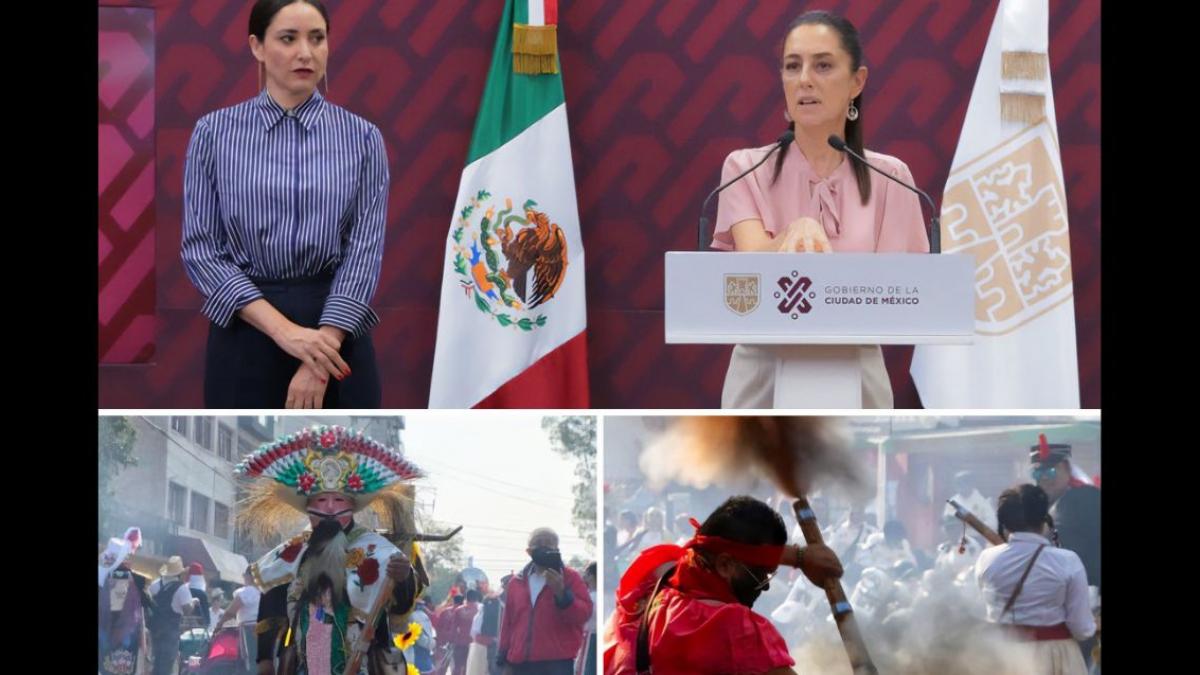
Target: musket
976,524
843,614
354,662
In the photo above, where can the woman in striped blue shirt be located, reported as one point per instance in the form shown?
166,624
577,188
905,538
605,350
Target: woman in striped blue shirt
285,204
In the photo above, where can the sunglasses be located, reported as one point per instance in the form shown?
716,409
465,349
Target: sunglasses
762,584
1044,473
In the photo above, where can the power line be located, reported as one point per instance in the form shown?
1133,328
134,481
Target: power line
509,529
459,470
492,490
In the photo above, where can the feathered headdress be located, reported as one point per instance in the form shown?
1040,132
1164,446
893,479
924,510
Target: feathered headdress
284,474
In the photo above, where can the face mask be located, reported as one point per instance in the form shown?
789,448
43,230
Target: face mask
746,588
547,558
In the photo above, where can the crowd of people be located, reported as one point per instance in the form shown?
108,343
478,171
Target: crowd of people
339,597
143,622
474,631
1038,577
485,631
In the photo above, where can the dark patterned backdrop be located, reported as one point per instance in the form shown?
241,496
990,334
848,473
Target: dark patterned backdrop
658,92
126,190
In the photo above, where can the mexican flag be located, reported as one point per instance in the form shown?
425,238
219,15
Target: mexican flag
1005,204
512,319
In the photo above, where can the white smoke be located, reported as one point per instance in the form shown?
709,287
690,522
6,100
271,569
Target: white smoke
941,630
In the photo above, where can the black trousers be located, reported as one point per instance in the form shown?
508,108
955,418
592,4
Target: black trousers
165,647
243,368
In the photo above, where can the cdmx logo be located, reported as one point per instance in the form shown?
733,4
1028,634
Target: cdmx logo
794,295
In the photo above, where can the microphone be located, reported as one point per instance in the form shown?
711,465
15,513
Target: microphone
784,138
935,225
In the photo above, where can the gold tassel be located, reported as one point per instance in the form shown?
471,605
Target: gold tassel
535,49
535,39
1023,65
1023,108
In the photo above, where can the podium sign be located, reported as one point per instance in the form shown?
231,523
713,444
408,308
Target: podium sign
819,309
812,298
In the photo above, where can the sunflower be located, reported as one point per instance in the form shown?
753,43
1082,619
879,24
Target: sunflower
353,557
409,638
412,670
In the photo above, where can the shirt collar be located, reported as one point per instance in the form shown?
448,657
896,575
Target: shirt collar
1029,537
797,158
309,112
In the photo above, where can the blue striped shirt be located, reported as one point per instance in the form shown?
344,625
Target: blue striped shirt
273,194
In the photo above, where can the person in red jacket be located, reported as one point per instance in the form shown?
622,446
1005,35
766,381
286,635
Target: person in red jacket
460,630
443,625
546,607
701,596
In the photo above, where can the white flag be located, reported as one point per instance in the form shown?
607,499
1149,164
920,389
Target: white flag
1006,205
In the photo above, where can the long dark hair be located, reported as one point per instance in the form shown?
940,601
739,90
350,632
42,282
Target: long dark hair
1024,508
265,10
848,36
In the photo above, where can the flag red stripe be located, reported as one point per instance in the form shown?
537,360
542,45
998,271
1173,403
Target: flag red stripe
557,380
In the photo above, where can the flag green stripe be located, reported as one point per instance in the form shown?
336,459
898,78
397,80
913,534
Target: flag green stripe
511,102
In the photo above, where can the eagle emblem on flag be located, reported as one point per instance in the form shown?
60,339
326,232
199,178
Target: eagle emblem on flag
509,263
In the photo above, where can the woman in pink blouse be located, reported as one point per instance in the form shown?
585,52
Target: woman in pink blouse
813,198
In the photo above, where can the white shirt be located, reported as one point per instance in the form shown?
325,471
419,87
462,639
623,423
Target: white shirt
979,506
877,552
536,583
590,626
477,623
950,560
248,612
1056,590
796,606
842,535
182,597
653,538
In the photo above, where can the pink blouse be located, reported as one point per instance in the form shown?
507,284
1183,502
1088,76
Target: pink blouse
890,222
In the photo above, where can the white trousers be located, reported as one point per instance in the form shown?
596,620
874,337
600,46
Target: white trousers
750,380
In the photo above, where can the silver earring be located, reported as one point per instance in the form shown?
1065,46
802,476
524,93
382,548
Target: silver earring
852,113
787,115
